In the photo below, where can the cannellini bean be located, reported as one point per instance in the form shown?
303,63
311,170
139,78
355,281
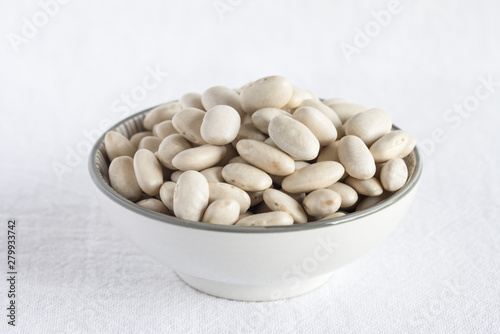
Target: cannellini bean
191,196
191,100
246,177
368,187
220,125
389,146
322,202
369,125
394,174
268,92
220,95
265,157
213,174
279,201
136,138
222,212
167,194
117,145
188,123
322,128
408,148
332,116
150,143
356,158
148,172
122,178
293,138
220,190
312,177
348,195
367,202
170,147
345,110
275,218
329,153
164,129
154,205
199,158
262,117
161,113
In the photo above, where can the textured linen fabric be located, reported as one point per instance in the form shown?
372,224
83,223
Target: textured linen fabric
439,272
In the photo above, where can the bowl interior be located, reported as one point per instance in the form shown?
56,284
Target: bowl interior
99,163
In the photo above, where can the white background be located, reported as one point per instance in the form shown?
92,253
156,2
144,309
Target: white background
439,272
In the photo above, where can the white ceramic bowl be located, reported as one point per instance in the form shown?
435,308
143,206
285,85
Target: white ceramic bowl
250,263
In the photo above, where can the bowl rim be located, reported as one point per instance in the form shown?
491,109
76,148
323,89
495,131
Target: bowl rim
103,187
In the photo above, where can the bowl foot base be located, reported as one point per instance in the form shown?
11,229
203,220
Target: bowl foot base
254,292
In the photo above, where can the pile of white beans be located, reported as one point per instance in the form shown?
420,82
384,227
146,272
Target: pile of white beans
267,154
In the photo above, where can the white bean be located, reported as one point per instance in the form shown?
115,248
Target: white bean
188,123
199,158
279,201
220,95
220,190
117,145
322,202
262,117
348,195
394,174
345,110
150,143
167,194
136,138
191,196
368,187
122,178
312,177
356,158
191,100
246,177
222,212
220,125
170,147
265,157
293,138
164,129
332,116
322,128
213,174
161,113
154,205
389,146
268,92
369,125
148,172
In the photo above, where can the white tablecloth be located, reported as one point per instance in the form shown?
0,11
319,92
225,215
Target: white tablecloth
66,74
